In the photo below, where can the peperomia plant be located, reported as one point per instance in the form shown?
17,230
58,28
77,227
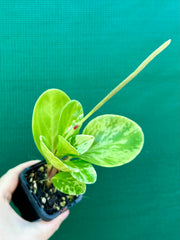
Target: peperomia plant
107,140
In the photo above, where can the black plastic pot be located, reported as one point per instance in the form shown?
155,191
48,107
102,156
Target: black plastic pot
28,204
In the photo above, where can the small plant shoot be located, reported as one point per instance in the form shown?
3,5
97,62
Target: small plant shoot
108,140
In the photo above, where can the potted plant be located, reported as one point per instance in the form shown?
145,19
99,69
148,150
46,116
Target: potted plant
48,188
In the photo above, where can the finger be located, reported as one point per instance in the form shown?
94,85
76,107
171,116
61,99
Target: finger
47,229
9,181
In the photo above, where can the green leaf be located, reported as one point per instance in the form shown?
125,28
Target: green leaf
65,183
50,157
63,148
86,174
82,170
82,142
69,121
71,166
118,140
46,114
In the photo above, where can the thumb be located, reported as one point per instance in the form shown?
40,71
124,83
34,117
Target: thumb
47,229
9,181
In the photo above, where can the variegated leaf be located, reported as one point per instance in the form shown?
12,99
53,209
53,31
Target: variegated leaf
51,158
63,148
86,173
46,114
65,183
71,114
82,171
118,140
82,142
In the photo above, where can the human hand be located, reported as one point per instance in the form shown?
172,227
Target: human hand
11,224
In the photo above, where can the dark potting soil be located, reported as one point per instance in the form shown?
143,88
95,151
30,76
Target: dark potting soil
50,199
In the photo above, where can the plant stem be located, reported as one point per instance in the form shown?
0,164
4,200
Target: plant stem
128,79
51,172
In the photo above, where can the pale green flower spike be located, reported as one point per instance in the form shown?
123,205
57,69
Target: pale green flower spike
128,79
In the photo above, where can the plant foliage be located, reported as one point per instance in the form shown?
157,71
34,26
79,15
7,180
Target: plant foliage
107,140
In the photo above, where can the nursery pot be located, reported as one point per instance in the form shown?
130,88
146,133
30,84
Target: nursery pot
33,204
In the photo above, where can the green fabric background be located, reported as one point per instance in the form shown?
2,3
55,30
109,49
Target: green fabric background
86,48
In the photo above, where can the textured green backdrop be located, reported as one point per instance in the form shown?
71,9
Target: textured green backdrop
86,48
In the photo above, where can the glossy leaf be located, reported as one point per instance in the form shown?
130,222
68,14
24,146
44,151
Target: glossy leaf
71,114
63,148
51,158
71,166
118,140
65,183
86,174
46,116
82,142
